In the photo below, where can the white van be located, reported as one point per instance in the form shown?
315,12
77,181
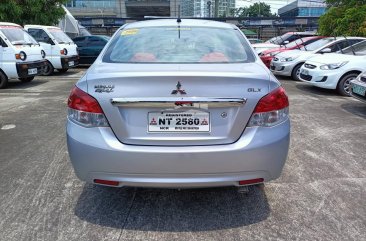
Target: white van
21,57
61,51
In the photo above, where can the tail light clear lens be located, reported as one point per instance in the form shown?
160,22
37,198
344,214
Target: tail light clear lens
85,110
271,110
63,51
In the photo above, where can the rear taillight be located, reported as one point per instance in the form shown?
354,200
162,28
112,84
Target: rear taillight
85,110
271,110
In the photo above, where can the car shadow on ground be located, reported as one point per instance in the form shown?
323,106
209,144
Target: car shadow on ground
170,210
18,85
355,108
83,66
65,74
316,90
285,78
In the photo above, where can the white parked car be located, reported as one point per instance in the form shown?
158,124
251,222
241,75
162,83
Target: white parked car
336,71
61,51
289,63
21,57
279,41
358,87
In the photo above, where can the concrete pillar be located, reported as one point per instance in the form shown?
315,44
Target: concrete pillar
121,9
174,5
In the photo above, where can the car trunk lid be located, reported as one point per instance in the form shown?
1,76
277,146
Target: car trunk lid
127,94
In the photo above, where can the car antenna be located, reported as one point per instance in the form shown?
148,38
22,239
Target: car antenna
353,50
302,42
179,20
282,40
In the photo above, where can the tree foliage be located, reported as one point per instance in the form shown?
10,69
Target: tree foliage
43,12
344,17
256,10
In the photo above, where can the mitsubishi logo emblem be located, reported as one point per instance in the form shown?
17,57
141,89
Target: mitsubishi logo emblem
179,89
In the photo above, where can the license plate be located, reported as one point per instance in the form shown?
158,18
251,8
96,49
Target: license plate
32,71
189,121
71,63
305,72
358,89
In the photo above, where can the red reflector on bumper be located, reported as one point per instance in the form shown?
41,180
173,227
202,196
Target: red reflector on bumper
251,181
106,182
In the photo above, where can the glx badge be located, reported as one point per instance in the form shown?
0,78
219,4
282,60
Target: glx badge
254,89
179,89
104,88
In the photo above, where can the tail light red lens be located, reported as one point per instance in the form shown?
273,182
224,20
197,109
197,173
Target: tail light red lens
251,181
106,182
85,110
271,110
80,100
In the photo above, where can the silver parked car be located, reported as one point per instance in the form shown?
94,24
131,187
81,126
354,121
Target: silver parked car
358,87
178,105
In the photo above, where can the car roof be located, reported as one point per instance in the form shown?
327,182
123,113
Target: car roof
183,23
9,24
40,26
308,38
98,36
309,32
341,38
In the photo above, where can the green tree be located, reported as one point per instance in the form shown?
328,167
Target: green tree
256,10
344,17
43,12
241,12
260,10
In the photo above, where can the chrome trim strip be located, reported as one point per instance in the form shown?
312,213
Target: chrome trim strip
171,101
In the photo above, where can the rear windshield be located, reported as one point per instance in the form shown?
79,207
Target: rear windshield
17,36
60,36
178,45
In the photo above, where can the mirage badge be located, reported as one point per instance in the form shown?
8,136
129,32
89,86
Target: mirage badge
104,88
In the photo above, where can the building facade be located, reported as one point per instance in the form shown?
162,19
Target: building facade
206,8
123,8
141,8
303,8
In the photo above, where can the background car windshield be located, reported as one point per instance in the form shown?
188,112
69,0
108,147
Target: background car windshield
17,36
295,43
59,35
317,44
179,45
359,49
281,39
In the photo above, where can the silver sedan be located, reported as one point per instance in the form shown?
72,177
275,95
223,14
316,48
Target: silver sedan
178,104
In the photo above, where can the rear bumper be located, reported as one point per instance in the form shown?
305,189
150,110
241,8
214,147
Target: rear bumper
24,67
95,153
66,61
